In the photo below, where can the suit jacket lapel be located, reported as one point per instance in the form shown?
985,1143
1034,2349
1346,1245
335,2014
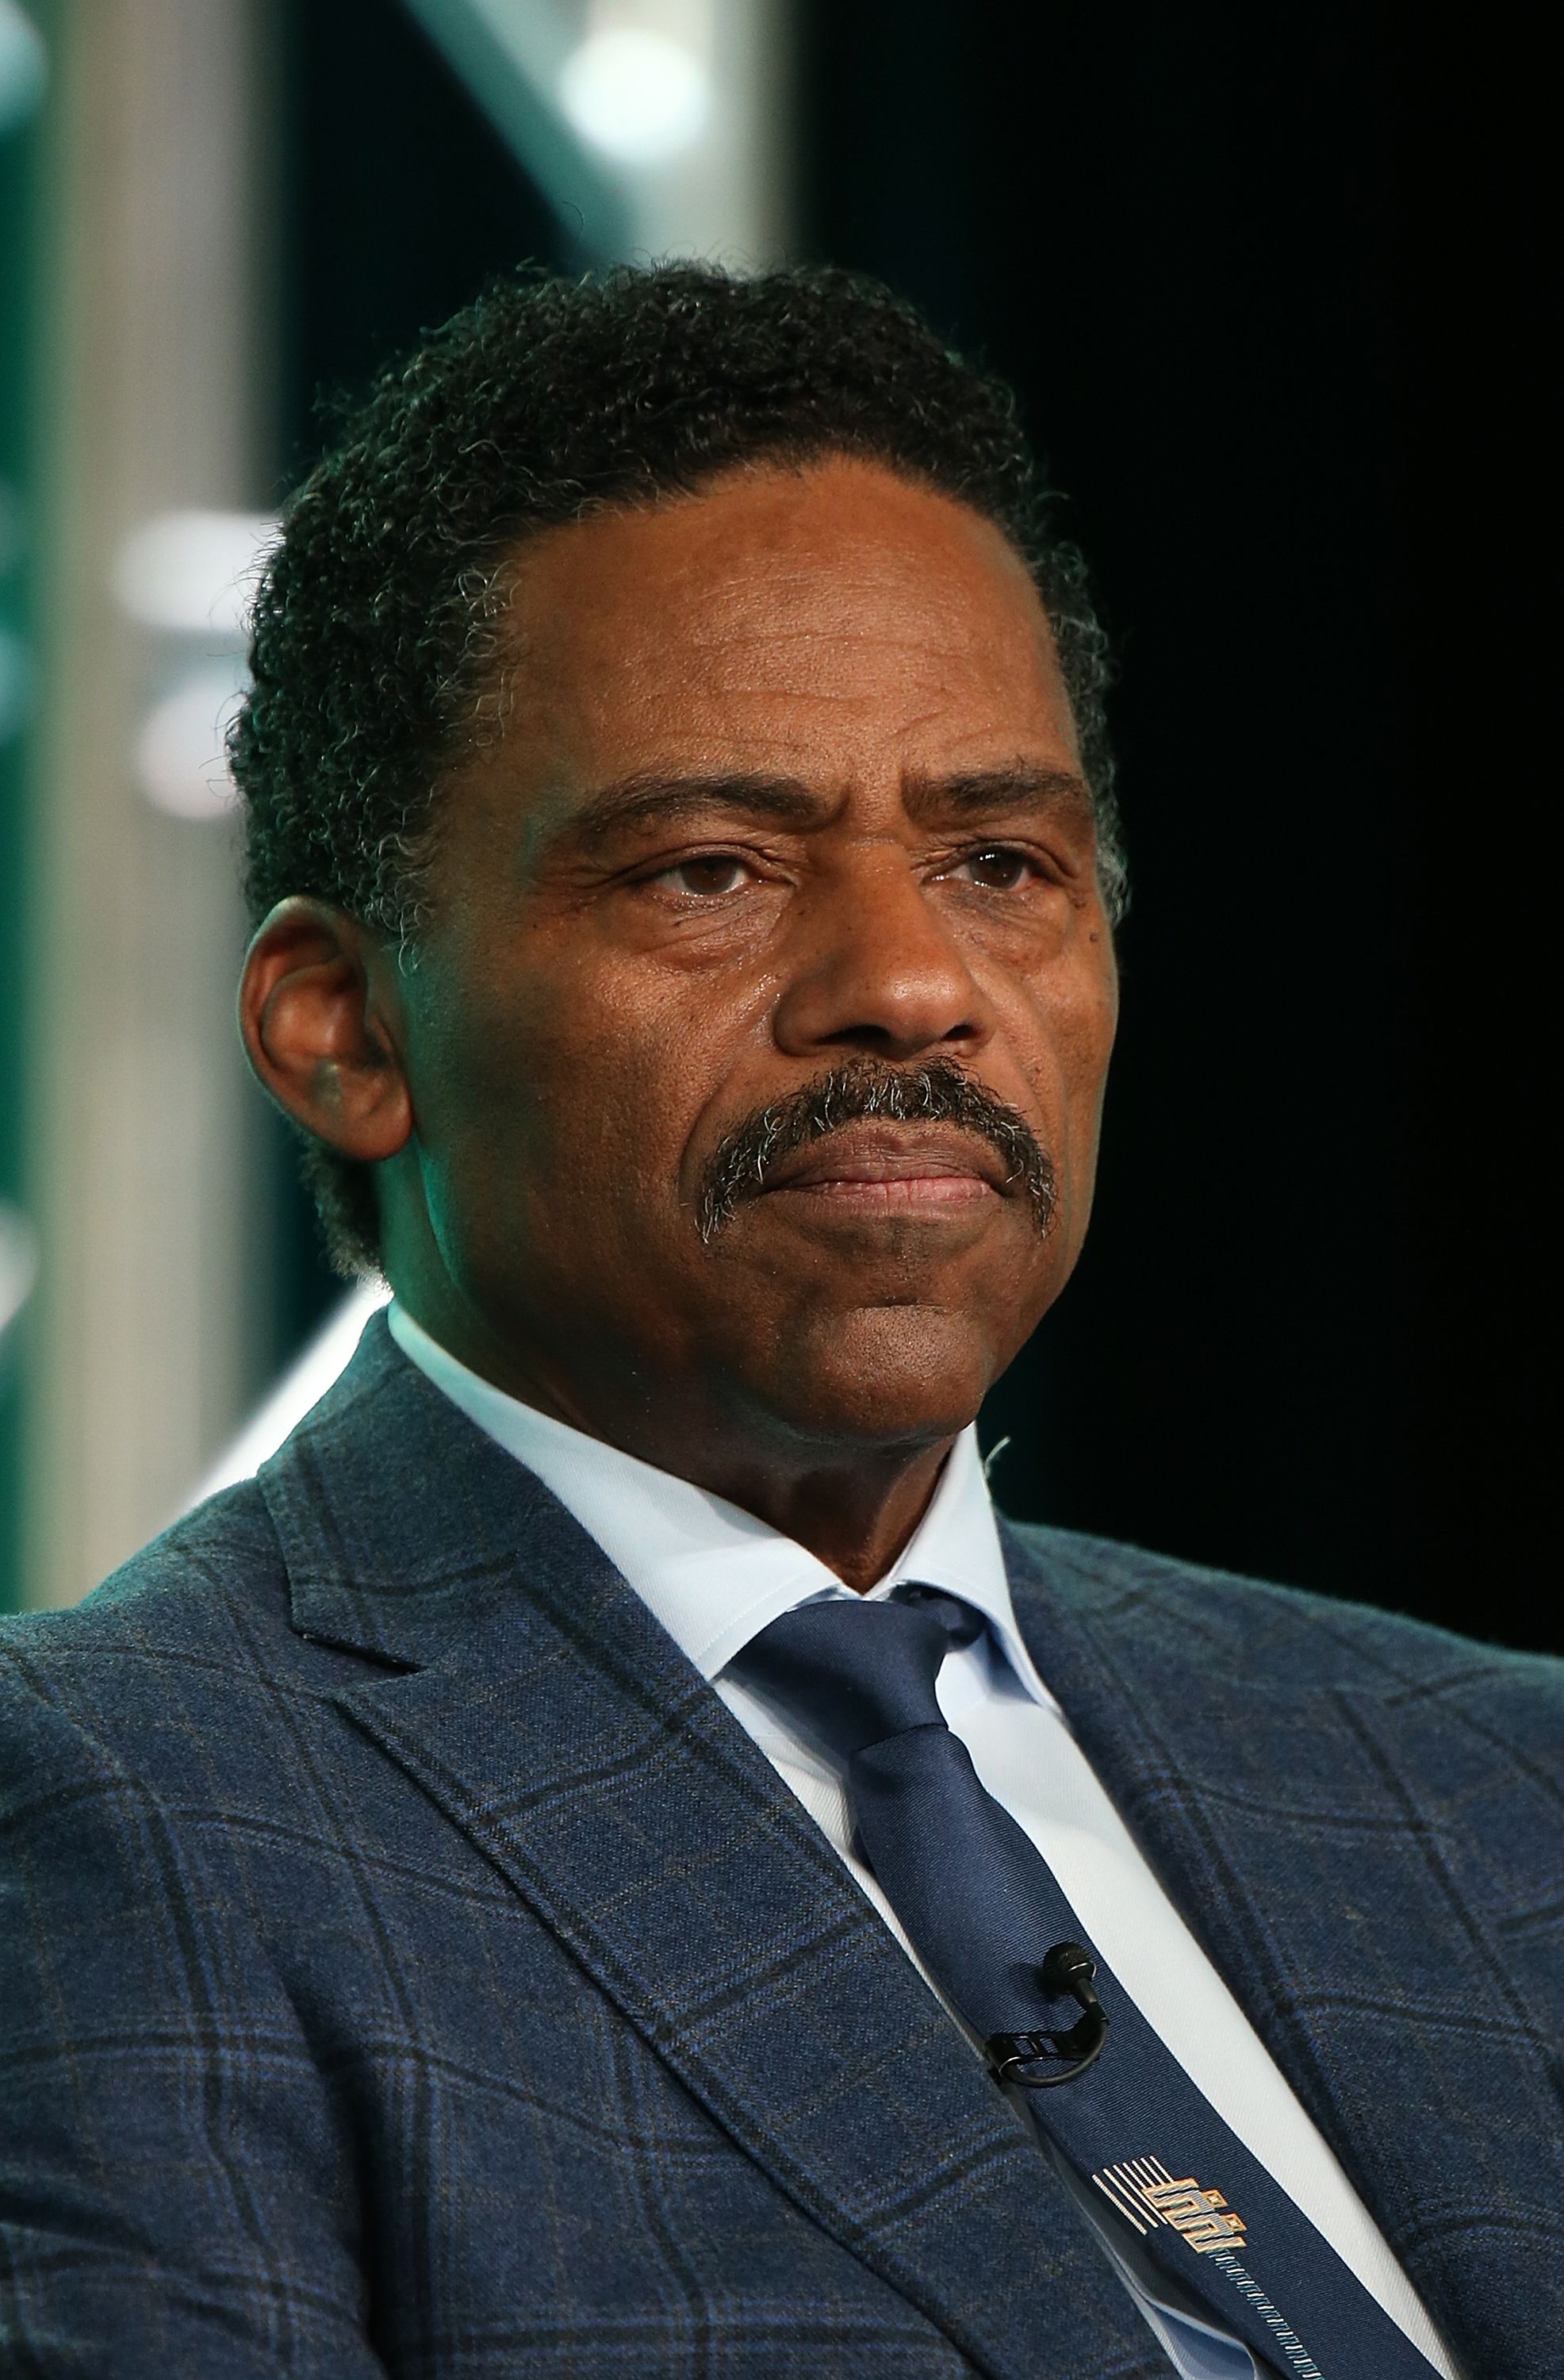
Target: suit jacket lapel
557,1724
1295,1821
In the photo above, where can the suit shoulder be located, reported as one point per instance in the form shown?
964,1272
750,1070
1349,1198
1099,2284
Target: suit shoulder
1251,1623
213,1586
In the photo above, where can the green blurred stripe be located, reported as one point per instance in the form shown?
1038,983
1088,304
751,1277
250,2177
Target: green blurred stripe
24,199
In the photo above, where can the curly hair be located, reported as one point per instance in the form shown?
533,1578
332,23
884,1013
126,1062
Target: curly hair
376,625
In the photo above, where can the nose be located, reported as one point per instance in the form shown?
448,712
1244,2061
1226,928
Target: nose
875,970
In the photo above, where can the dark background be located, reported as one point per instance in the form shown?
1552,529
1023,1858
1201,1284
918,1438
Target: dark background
1271,286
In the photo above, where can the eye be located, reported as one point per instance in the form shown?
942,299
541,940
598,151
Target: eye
711,872
999,868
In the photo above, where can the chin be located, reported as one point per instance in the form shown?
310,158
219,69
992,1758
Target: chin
882,1374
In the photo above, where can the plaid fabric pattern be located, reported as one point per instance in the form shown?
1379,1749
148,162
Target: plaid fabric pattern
409,1966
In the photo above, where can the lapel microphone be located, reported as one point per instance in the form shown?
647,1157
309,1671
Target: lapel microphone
1069,1967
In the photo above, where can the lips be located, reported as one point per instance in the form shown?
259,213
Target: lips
864,1157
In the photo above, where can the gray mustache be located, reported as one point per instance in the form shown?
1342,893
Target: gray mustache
862,1090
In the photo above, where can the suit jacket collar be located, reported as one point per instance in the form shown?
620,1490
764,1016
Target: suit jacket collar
537,1702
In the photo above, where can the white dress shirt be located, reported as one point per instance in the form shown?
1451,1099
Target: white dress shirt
715,1575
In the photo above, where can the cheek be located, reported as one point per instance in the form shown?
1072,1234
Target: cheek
1072,1021
1087,1052
558,1093
1092,1023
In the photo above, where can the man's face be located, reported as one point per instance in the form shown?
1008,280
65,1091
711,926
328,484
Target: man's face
787,788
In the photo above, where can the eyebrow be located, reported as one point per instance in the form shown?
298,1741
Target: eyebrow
787,801
641,800
1022,786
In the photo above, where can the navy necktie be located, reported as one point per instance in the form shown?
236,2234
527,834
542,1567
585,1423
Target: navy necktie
984,1913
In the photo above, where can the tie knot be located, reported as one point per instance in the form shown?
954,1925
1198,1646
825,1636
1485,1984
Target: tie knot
858,1672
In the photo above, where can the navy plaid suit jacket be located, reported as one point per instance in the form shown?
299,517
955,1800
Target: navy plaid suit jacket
407,1965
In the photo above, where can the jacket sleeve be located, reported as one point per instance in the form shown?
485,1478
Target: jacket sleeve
176,2200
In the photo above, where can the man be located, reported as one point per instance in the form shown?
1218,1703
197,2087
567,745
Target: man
606,1858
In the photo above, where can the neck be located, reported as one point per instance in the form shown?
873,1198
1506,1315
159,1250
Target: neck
853,1511
853,1505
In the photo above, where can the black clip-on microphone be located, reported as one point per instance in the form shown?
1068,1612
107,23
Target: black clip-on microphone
1069,1967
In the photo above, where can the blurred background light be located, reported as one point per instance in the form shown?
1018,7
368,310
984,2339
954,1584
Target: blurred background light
635,94
19,1263
24,66
303,1385
193,572
181,765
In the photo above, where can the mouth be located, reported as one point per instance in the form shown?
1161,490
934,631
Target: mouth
882,1168
868,1142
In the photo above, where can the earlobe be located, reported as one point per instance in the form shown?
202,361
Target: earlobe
321,1028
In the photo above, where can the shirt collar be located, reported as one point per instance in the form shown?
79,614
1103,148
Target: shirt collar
713,1575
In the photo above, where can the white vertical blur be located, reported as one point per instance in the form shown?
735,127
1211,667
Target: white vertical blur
143,1127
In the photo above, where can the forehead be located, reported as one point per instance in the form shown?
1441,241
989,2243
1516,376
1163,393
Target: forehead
782,615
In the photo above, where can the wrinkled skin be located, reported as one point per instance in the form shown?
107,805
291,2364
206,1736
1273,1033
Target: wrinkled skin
788,779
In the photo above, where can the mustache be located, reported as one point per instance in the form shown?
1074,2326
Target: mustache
863,1089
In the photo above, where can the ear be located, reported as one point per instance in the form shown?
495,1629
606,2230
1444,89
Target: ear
323,1026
